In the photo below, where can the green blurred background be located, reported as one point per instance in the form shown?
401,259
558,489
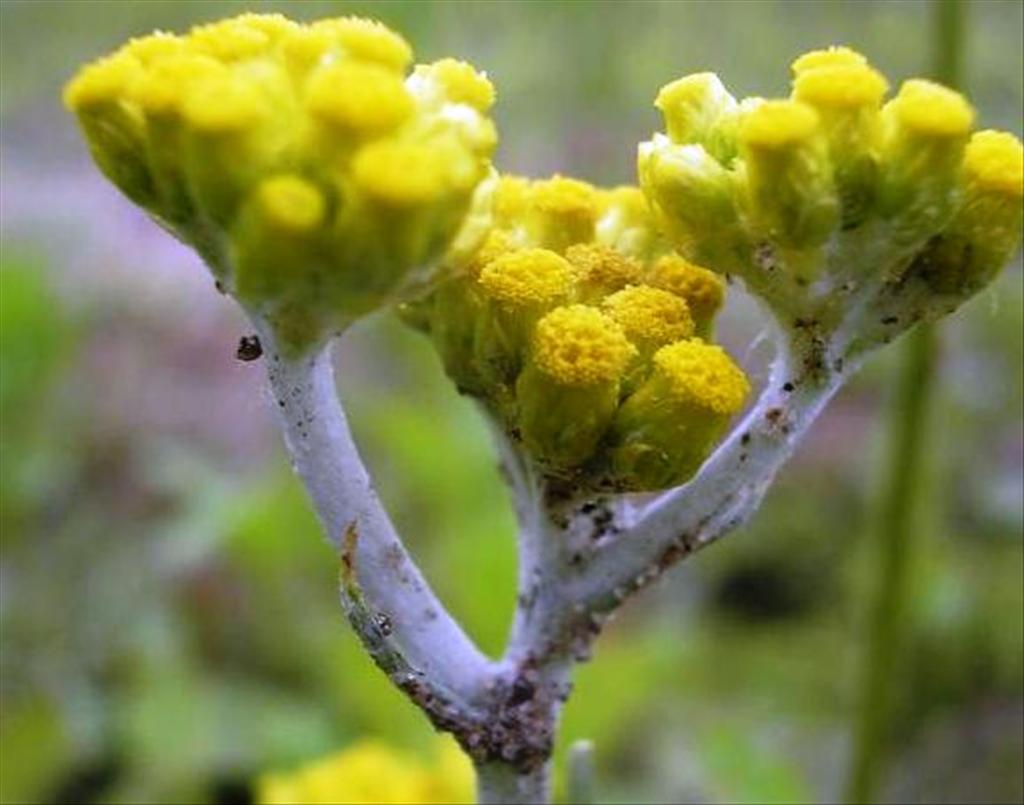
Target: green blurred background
169,619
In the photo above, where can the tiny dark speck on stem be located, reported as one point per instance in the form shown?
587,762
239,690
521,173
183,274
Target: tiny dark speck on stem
787,387
249,348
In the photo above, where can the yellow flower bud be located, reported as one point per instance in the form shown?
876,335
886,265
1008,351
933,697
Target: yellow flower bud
694,198
994,164
703,290
527,279
626,223
846,98
569,390
925,131
199,129
601,270
665,430
650,317
831,197
517,288
789,179
986,230
699,109
366,40
371,771
835,56
563,212
358,99
458,82
283,219
114,130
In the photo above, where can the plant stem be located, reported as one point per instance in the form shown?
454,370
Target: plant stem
581,773
502,783
902,494
894,556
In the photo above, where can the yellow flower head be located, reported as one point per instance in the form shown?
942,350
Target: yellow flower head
373,773
383,167
665,429
602,268
649,316
703,290
553,321
580,346
702,375
527,277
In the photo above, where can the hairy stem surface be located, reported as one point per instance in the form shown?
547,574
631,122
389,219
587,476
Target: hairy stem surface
402,623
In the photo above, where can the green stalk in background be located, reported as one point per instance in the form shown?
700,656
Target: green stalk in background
902,494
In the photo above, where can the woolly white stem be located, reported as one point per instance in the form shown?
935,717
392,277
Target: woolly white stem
403,624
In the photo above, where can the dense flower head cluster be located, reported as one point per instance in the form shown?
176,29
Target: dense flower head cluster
317,179
578,327
373,772
321,180
808,197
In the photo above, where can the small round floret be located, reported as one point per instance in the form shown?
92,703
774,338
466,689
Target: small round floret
703,290
702,375
601,265
579,345
650,316
527,276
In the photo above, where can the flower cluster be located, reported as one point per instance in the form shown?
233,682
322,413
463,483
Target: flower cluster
587,337
316,178
373,772
321,182
815,198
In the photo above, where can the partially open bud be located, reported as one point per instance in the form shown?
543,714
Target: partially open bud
569,390
665,430
194,127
